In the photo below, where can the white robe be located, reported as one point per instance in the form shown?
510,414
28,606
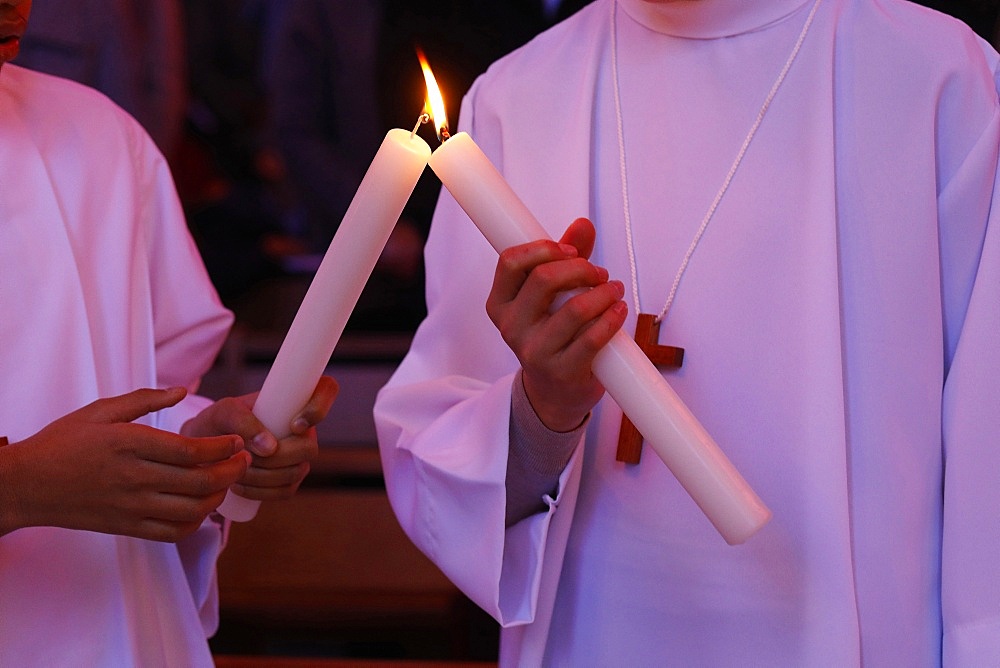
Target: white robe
102,292
840,318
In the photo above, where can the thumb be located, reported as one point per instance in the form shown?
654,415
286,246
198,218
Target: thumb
131,406
582,235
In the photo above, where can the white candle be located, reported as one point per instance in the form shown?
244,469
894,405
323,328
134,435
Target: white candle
629,377
335,290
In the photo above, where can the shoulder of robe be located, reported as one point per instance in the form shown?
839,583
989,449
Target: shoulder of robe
61,112
554,60
923,39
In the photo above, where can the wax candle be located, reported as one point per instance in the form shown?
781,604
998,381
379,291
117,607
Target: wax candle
629,377
335,289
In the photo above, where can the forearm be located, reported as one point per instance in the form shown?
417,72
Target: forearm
536,458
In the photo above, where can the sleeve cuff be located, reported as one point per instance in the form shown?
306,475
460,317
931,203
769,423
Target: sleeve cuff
536,458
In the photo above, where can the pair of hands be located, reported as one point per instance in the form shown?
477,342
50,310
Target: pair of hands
556,346
94,469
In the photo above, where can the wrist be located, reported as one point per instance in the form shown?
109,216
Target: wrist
554,416
11,516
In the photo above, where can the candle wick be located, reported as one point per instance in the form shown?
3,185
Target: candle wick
421,119
444,135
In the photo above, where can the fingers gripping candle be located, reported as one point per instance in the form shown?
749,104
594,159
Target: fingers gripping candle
334,291
630,378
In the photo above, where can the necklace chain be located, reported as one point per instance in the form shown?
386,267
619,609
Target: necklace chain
726,182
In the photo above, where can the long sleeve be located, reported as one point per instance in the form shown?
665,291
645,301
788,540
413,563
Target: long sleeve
189,328
971,420
536,458
189,325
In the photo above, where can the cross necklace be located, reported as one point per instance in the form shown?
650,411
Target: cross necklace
647,328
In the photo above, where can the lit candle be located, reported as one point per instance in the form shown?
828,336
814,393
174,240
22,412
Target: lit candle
335,290
626,373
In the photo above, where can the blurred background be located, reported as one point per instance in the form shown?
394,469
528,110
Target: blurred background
269,112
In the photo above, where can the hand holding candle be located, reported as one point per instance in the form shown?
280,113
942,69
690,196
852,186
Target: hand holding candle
335,290
635,384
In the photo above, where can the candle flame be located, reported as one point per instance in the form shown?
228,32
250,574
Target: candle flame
433,103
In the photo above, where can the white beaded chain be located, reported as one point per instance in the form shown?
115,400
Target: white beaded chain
725,184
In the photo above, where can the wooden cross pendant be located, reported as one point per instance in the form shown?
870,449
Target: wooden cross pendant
647,336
